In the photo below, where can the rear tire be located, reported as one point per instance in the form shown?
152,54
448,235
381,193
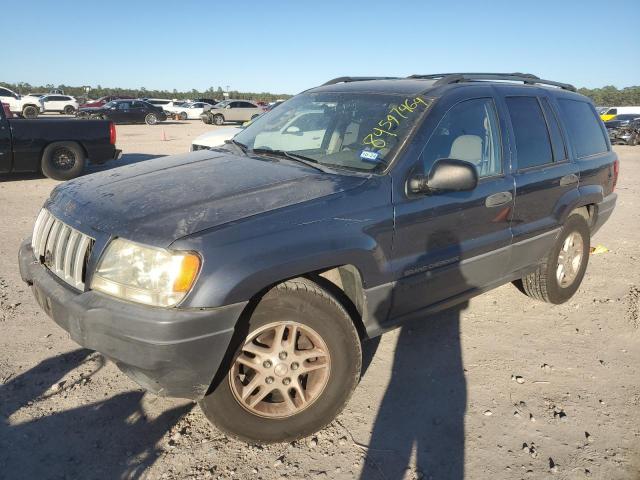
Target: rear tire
30,111
151,119
183,115
558,278
318,322
63,160
218,119
69,110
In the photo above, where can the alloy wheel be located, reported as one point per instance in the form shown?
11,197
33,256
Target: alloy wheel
281,370
570,259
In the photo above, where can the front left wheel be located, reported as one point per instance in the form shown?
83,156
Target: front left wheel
294,371
151,119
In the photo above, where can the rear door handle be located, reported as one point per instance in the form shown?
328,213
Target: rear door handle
498,199
569,180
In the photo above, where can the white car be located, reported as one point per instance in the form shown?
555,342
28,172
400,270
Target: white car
189,111
215,138
58,103
27,106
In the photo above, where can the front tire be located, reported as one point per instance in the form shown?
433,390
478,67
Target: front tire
183,115
218,119
30,111
151,119
295,370
557,279
63,160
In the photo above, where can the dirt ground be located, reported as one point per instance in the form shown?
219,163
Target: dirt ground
500,388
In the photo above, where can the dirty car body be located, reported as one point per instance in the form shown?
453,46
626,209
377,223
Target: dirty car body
257,218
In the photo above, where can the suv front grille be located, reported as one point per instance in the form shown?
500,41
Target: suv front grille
61,248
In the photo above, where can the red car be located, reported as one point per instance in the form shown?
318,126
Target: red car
7,112
102,100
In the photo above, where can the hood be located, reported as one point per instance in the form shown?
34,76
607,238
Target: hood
158,201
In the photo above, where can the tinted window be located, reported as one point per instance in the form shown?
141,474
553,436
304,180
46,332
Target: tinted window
557,142
468,131
530,130
247,105
583,127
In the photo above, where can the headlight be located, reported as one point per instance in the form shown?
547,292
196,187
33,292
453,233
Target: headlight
143,274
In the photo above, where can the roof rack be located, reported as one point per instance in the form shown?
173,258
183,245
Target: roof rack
526,78
356,79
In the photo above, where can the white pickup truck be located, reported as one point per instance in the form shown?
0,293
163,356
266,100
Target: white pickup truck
28,106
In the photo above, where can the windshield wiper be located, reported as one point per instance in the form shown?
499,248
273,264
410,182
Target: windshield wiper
241,146
309,162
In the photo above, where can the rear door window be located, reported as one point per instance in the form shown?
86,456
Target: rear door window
530,129
583,126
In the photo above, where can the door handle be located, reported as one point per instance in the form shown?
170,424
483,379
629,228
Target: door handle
498,199
569,180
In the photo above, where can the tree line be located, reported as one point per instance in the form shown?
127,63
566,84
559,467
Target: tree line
142,92
605,96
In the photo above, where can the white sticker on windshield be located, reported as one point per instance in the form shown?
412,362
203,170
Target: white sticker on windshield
369,155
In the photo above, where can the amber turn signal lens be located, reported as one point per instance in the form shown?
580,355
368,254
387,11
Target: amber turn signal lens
188,272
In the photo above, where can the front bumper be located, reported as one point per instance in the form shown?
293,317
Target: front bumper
171,352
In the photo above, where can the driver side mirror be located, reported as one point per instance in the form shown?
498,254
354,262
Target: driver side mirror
446,175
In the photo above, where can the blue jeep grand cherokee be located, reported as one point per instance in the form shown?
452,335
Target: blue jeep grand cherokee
247,276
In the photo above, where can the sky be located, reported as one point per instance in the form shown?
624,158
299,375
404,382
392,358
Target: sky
287,46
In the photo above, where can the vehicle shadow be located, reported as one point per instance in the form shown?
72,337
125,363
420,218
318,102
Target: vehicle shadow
421,415
112,438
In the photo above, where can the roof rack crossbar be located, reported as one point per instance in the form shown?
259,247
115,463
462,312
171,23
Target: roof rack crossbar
526,78
356,79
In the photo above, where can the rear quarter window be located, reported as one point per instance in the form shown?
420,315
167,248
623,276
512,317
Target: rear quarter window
583,127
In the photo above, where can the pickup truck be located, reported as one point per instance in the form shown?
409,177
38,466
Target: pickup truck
247,276
58,148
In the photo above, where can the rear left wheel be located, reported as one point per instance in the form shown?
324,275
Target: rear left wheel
69,110
63,160
557,279
295,370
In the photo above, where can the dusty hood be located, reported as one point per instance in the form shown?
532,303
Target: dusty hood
160,200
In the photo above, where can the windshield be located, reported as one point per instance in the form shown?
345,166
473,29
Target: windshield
109,105
355,131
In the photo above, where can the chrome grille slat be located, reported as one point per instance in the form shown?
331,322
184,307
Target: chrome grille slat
61,248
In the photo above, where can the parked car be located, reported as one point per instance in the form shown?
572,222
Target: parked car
611,112
247,277
621,120
627,134
231,111
58,148
158,102
7,111
58,103
214,138
210,101
103,100
189,111
126,111
26,106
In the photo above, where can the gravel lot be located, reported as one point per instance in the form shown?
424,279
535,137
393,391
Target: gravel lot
502,387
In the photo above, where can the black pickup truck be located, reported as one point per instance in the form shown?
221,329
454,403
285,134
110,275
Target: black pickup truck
58,148
246,276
